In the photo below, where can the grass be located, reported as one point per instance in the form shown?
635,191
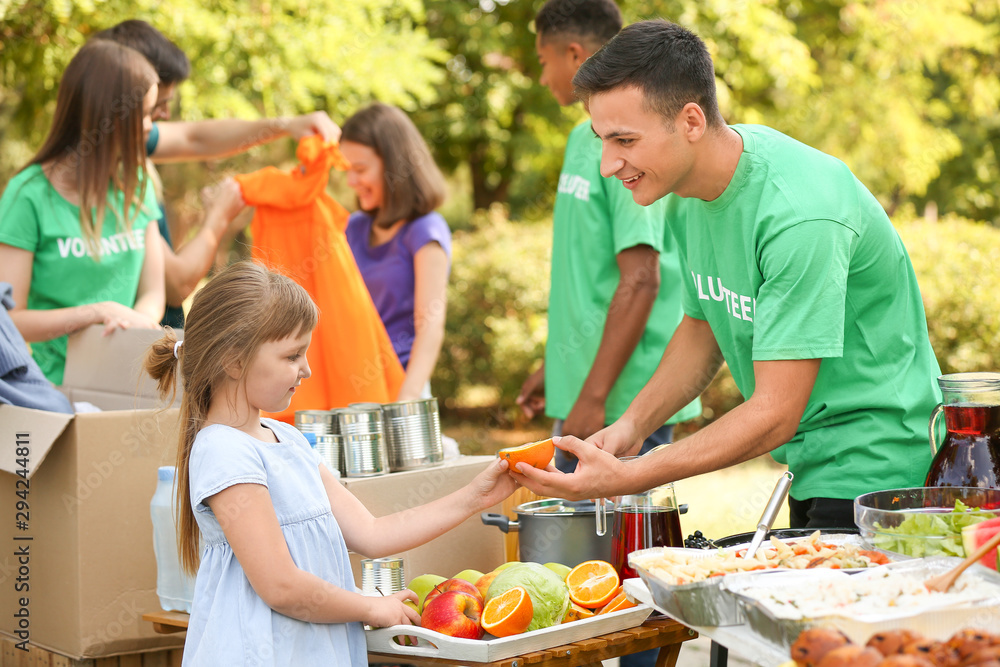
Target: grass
720,503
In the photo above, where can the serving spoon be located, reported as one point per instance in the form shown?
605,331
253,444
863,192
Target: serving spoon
942,582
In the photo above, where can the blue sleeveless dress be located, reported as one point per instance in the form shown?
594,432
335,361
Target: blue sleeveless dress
230,624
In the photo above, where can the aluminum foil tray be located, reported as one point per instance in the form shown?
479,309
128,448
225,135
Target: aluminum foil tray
705,603
702,603
938,624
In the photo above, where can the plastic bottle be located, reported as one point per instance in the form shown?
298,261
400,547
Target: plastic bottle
174,587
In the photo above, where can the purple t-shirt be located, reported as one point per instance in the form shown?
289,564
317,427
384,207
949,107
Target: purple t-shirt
388,270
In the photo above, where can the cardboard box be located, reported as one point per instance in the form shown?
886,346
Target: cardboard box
470,545
90,571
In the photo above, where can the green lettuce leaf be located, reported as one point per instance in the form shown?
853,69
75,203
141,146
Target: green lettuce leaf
930,533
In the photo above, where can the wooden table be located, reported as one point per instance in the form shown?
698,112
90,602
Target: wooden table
664,634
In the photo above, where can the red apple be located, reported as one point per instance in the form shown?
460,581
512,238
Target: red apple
453,585
454,613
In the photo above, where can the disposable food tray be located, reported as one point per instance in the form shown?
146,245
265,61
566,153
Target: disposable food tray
698,603
436,645
938,624
705,603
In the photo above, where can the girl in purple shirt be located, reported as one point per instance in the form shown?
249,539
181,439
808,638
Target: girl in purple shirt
402,246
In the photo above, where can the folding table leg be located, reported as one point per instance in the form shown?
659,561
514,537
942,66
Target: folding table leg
719,656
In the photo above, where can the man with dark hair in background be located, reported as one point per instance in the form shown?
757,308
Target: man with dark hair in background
793,275
615,292
202,140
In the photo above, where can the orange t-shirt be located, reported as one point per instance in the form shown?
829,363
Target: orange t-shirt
298,230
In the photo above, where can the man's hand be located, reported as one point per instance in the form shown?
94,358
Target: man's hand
620,439
532,396
317,122
585,419
590,480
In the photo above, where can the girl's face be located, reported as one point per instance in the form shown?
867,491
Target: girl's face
277,369
365,175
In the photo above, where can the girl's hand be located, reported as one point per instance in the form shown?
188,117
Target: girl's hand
222,202
114,315
492,485
390,610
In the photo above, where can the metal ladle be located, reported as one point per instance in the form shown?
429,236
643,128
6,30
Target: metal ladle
770,512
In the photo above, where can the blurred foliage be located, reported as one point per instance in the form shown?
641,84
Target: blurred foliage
907,93
491,115
262,57
956,264
497,302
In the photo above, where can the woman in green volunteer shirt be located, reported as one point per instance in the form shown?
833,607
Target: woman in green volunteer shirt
75,235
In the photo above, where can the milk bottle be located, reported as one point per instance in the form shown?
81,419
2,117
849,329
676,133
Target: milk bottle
174,587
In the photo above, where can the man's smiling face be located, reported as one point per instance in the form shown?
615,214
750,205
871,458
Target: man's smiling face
649,154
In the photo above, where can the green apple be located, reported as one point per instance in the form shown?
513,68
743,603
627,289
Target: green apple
472,576
506,565
423,585
559,569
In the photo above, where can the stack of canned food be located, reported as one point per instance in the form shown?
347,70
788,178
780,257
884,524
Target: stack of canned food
369,439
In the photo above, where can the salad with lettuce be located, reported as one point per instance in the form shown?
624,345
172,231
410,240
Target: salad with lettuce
943,528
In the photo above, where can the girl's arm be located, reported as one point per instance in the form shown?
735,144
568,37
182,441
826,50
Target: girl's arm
247,517
150,298
430,305
377,537
39,325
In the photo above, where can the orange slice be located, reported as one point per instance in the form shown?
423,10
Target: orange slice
508,614
537,454
593,583
617,603
576,613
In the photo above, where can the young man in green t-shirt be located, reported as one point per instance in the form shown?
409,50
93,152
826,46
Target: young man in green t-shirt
794,276
615,295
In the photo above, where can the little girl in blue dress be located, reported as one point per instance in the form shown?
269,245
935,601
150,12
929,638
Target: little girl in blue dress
273,524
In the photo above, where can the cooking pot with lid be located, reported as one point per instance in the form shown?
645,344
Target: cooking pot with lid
554,530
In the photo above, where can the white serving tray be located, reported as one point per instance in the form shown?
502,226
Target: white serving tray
433,644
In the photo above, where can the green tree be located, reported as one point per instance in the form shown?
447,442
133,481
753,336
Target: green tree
264,57
491,115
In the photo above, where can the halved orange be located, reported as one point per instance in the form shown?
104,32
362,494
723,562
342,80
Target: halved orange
508,613
576,613
537,454
617,603
593,583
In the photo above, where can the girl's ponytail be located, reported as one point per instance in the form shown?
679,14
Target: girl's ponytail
162,364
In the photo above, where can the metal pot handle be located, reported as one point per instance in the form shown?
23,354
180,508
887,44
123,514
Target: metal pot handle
501,521
931,429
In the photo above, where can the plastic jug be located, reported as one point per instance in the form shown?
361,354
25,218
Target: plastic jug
174,587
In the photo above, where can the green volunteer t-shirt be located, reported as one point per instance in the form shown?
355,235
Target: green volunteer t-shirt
797,260
595,218
34,217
